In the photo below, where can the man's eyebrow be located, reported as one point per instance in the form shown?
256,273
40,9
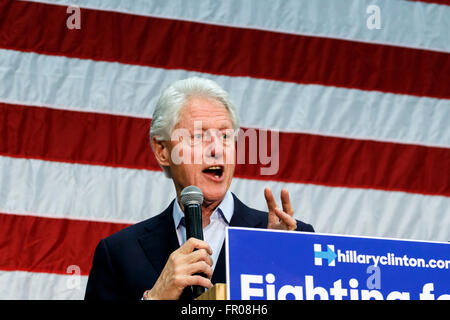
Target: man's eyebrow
224,127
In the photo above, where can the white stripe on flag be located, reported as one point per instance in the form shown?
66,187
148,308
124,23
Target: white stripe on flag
20,285
115,88
423,25
124,195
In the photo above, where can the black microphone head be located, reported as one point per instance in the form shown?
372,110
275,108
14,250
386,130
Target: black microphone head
191,195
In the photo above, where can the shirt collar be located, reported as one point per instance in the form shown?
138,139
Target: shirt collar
224,210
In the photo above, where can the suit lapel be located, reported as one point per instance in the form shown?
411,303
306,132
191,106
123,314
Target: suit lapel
242,217
160,241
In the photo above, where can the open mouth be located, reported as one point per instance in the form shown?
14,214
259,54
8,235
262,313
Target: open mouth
214,171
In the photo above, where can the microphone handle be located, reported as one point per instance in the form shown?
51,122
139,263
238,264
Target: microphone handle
194,229
194,222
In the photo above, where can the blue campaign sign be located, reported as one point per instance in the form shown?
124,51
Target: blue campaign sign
280,265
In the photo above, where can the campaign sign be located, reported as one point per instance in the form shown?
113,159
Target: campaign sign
280,265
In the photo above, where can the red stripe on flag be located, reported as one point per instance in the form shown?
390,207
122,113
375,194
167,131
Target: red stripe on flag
352,163
175,44
120,141
50,245
445,2
80,137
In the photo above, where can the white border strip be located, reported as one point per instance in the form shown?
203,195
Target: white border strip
336,235
227,262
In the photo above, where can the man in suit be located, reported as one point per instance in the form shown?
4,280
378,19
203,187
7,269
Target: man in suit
192,140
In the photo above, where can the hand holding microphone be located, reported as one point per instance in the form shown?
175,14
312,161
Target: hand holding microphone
191,264
181,270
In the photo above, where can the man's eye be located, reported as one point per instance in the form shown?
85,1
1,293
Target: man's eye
228,136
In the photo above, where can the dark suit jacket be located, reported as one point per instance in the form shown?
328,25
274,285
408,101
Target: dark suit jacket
129,262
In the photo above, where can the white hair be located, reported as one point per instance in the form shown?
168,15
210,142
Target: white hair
166,114
173,98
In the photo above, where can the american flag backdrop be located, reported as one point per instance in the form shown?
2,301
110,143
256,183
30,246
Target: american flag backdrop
363,115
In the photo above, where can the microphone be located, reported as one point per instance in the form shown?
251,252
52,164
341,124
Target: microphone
192,198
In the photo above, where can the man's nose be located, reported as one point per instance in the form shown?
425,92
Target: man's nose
214,148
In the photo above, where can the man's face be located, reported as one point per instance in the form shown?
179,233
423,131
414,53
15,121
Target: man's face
202,148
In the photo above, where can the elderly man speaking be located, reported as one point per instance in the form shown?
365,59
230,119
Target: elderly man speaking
192,139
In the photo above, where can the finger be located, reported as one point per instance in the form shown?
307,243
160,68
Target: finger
271,203
199,255
289,221
273,218
183,281
196,280
199,267
286,202
193,243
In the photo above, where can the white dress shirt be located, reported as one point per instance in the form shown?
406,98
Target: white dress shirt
214,232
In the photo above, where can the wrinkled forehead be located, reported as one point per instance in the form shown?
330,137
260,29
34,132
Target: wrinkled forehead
205,113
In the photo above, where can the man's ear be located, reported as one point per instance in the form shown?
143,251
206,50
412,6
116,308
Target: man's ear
161,152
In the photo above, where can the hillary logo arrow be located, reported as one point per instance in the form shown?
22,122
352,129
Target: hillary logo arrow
329,255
